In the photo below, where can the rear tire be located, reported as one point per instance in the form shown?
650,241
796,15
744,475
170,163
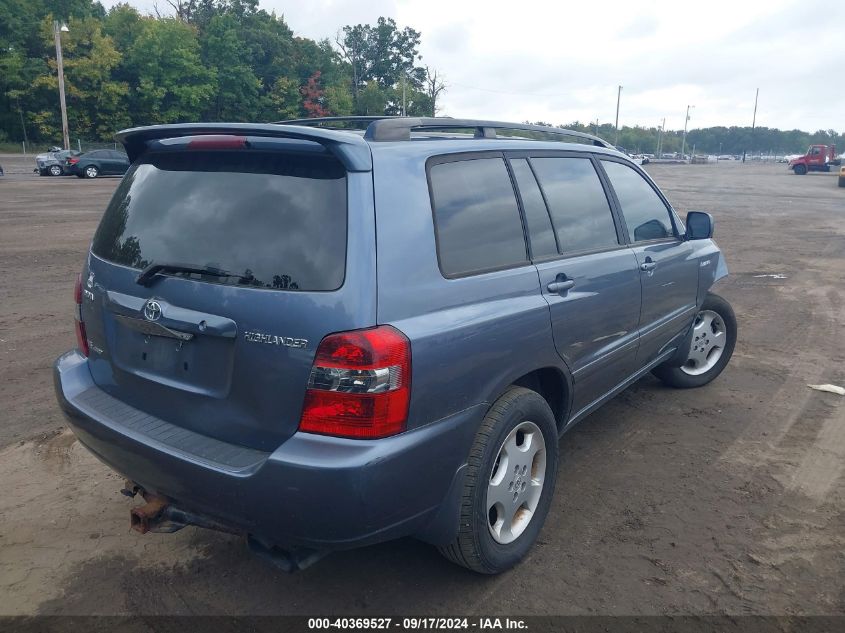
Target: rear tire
800,169
91,171
518,431
55,170
709,342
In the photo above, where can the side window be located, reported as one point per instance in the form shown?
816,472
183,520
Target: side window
476,216
578,205
540,230
645,214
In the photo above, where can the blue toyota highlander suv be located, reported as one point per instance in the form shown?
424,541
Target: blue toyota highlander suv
322,338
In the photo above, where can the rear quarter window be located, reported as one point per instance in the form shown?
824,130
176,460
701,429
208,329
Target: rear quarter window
476,217
272,220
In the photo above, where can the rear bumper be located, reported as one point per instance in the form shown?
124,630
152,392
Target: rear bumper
313,491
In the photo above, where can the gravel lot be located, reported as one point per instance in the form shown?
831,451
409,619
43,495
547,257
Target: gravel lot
727,499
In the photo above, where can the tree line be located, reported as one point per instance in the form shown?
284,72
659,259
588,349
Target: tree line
713,140
229,60
206,60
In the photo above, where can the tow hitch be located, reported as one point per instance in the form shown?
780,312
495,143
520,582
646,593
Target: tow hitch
157,514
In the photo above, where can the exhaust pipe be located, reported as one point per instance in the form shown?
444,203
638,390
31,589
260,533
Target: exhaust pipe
288,560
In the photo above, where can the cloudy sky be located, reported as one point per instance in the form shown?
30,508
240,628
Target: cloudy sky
560,61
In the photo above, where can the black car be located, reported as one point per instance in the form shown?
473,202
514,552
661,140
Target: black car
98,162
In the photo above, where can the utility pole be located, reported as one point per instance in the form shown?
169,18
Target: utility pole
684,142
618,98
753,122
403,95
661,130
57,36
23,126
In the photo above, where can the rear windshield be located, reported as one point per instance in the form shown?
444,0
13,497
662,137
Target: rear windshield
272,220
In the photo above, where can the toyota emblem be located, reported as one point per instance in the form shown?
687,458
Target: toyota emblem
152,310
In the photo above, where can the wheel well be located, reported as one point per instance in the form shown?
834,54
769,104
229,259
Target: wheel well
550,383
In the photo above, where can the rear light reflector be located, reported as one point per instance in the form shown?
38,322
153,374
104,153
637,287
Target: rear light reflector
360,385
81,336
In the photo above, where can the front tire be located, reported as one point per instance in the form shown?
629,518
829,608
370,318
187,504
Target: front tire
800,169
509,483
91,171
711,348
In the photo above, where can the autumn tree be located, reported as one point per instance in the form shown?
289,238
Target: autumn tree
312,97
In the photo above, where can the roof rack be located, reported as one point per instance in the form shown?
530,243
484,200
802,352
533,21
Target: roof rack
398,128
322,120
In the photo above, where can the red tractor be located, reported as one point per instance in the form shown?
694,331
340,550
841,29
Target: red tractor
817,158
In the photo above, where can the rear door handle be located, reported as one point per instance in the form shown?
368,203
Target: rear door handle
560,286
647,265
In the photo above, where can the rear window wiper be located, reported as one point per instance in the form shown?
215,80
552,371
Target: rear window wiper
148,274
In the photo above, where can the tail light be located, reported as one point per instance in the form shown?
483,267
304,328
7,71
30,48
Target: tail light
81,337
360,385
72,160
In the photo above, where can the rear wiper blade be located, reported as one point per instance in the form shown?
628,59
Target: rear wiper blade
148,274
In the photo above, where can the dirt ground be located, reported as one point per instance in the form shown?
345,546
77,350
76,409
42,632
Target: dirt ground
723,500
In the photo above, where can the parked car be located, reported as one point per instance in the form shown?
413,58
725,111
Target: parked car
100,162
324,339
52,163
639,159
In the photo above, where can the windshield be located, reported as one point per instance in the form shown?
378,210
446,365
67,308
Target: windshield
272,220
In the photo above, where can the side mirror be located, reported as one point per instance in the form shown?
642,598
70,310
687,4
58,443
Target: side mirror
699,225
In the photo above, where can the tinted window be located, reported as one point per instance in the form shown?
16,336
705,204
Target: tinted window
579,207
96,154
536,215
476,216
272,220
645,214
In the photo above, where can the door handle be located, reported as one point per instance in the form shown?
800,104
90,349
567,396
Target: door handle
560,286
647,265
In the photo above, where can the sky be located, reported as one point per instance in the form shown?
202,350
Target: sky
562,61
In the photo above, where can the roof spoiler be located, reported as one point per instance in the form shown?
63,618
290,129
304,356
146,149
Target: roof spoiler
350,149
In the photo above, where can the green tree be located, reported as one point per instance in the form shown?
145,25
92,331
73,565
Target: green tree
284,100
383,54
237,86
170,82
96,104
338,100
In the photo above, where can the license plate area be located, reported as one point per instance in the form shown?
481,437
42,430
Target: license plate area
194,363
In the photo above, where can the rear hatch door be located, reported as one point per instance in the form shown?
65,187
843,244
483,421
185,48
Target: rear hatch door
258,248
